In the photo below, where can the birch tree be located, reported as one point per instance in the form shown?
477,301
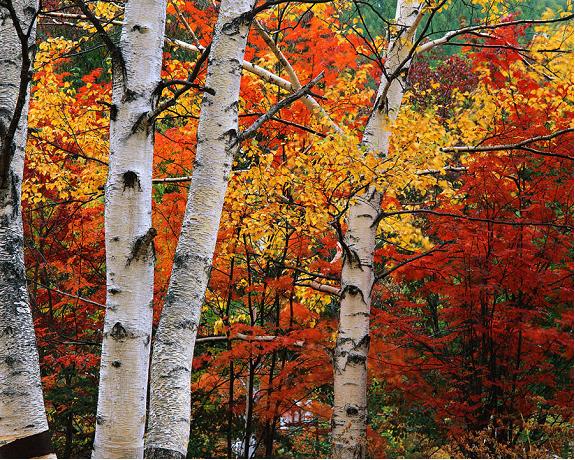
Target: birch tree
349,423
137,63
169,416
23,425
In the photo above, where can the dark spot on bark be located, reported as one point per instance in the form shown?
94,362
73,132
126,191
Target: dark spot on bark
114,291
158,452
116,364
118,332
356,358
187,324
131,180
232,27
139,28
233,106
364,342
9,360
116,238
179,260
113,112
177,369
352,410
353,290
99,420
129,96
30,426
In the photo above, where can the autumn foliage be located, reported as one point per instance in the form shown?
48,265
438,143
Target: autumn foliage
471,348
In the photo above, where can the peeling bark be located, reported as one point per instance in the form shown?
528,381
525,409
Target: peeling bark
169,416
121,413
23,424
349,422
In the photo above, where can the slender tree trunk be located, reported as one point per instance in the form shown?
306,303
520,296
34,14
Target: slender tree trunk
121,411
349,423
23,424
169,417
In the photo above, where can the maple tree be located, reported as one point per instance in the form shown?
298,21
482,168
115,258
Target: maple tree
470,333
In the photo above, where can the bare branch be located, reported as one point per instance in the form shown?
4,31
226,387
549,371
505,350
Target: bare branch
251,131
523,145
388,272
454,33
67,294
514,223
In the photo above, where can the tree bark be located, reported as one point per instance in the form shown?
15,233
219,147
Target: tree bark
349,422
169,416
23,424
121,412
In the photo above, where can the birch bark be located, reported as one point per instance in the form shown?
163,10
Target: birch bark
23,423
169,415
349,422
121,412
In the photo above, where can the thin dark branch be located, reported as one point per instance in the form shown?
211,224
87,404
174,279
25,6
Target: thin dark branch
523,145
7,134
388,272
251,131
515,223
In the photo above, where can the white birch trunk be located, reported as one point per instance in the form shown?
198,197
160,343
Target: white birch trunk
23,423
169,415
349,423
121,412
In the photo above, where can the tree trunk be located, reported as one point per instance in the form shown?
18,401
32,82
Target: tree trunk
23,424
169,417
349,422
121,410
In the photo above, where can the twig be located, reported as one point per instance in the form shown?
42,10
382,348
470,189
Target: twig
67,294
388,272
474,219
518,146
251,131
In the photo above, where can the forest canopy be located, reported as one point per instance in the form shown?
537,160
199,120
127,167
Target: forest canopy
286,229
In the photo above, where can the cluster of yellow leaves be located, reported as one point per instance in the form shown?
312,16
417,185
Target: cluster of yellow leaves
67,148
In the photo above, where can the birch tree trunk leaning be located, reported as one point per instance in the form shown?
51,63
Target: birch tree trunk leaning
121,413
349,422
23,425
169,414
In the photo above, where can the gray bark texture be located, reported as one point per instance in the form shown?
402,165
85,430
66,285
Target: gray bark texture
121,413
169,415
349,422
23,420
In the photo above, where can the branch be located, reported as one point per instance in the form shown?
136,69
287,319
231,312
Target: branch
186,24
270,3
327,288
454,33
388,272
189,83
251,131
426,172
7,133
518,146
77,17
246,65
112,48
514,223
312,105
248,338
67,294
381,101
